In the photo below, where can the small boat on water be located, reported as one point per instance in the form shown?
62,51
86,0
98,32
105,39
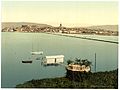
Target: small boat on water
37,53
27,61
38,58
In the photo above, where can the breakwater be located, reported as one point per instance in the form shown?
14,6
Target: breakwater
87,38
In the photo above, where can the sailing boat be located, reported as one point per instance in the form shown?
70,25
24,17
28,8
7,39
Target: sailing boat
36,52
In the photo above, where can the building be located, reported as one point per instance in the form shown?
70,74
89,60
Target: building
72,32
78,71
60,25
77,67
51,60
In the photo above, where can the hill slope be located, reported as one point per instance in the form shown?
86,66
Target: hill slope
108,79
105,27
19,24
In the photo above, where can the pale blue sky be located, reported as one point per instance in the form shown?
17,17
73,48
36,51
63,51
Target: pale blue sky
69,13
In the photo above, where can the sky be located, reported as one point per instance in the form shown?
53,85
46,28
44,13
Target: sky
69,13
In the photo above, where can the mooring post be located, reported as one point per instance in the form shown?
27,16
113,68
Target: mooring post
95,62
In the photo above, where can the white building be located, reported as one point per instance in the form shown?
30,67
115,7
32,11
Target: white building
60,31
80,68
72,31
57,59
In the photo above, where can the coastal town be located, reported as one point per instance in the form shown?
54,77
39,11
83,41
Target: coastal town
60,29
51,44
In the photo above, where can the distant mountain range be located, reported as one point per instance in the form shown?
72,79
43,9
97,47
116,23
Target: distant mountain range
105,27
19,24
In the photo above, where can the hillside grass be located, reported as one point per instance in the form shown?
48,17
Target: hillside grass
95,80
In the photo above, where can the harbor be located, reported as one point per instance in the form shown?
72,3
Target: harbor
58,45
62,45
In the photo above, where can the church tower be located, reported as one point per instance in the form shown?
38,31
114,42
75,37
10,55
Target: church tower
60,25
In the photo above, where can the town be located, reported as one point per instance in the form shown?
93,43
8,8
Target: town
60,29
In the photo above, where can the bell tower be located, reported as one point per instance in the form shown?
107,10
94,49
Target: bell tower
60,25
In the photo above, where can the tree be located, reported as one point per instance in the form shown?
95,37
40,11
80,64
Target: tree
69,62
80,62
77,61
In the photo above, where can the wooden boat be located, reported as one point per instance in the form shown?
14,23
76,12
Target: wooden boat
27,61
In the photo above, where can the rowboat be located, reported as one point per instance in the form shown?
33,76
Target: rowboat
27,61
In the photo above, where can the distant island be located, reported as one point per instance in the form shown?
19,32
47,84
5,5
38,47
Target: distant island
110,30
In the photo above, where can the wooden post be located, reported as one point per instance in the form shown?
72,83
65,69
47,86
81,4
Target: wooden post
95,62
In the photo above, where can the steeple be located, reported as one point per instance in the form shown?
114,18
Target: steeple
60,25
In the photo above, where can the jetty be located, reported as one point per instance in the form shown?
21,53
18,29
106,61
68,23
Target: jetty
87,38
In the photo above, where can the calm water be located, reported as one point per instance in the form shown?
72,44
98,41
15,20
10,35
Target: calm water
17,46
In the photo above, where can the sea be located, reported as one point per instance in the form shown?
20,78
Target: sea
16,46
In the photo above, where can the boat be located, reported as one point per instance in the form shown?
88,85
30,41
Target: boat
27,61
37,53
38,58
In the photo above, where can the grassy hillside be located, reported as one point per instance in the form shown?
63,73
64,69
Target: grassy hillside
105,27
93,80
19,24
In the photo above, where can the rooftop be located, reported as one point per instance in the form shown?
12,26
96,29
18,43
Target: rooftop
55,56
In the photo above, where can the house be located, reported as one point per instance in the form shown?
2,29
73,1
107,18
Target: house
72,32
60,31
51,60
77,67
64,31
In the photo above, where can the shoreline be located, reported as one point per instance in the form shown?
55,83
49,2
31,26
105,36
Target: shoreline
87,38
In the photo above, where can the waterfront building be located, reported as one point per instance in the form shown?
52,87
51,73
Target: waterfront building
57,59
72,32
79,68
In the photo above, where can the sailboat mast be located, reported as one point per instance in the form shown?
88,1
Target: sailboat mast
32,44
38,43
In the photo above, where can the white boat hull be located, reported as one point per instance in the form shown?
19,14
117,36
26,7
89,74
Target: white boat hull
37,53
